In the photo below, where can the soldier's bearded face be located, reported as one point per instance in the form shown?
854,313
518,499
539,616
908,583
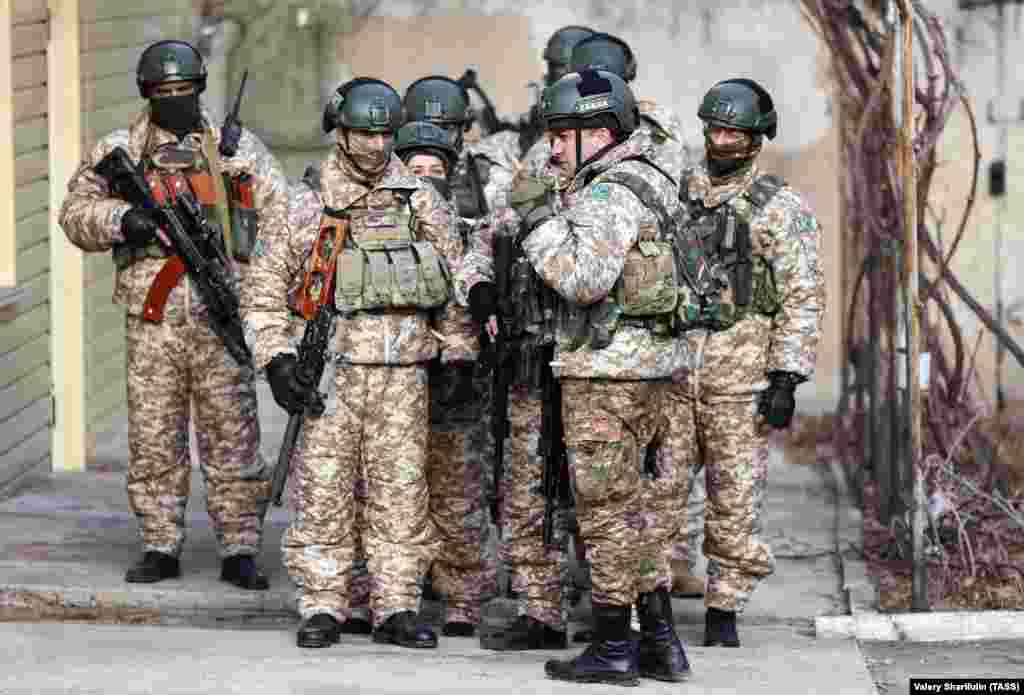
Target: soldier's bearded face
368,150
427,165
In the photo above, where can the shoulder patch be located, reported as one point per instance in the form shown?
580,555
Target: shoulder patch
600,191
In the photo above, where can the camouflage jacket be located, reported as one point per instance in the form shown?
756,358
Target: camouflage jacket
581,251
278,270
785,232
501,150
666,130
91,217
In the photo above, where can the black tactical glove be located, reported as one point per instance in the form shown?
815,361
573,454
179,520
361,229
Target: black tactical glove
777,401
139,226
483,301
289,393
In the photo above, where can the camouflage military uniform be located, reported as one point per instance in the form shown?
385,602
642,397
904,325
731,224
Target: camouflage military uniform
461,444
713,408
378,428
179,359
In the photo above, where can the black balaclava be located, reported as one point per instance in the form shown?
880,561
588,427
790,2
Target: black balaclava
180,114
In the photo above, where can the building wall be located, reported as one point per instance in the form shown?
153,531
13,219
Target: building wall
113,35
25,404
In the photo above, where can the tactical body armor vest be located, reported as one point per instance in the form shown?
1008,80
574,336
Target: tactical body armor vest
170,170
382,266
747,279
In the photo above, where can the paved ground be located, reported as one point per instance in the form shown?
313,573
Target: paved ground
893,664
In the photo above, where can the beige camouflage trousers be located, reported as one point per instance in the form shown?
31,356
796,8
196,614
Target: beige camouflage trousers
377,431
460,453
624,522
170,364
535,571
728,441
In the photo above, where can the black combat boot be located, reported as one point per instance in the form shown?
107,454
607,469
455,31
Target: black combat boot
720,629
662,656
611,658
456,628
320,630
242,571
153,567
525,633
356,626
405,630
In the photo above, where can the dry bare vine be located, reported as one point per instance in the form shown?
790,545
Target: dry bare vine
969,512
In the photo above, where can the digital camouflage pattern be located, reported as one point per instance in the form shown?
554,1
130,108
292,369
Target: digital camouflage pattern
534,570
666,131
181,360
581,254
501,150
378,429
609,426
721,391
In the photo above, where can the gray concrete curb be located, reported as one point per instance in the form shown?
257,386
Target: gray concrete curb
864,621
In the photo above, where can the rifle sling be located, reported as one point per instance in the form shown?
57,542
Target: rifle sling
213,160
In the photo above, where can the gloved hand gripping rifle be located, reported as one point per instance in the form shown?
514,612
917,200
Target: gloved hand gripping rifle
315,302
193,240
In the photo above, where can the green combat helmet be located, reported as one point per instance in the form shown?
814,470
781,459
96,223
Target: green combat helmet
742,104
604,52
420,136
169,61
590,99
364,103
558,52
437,99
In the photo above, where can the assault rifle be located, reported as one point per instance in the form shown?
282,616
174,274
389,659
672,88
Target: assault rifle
308,371
193,240
552,441
504,253
231,131
315,302
488,115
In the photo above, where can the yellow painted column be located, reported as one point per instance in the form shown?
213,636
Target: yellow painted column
67,297
8,239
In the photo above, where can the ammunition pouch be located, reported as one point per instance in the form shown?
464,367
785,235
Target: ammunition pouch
746,281
243,215
391,275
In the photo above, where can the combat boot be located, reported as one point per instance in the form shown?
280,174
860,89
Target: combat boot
153,567
525,633
356,626
243,572
661,653
720,629
611,658
320,630
405,630
456,628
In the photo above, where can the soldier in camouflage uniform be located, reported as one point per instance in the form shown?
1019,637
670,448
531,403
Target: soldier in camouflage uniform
395,237
461,447
173,356
507,149
757,346
614,356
